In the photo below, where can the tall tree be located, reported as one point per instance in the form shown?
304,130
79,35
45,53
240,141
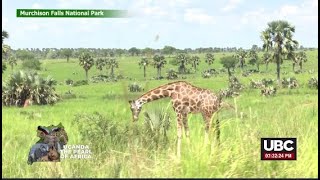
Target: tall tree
254,58
86,61
5,35
195,62
278,37
183,60
158,63
209,58
12,62
100,63
302,58
229,62
241,55
66,53
111,64
266,59
144,63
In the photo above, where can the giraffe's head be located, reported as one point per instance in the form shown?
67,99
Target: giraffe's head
135,107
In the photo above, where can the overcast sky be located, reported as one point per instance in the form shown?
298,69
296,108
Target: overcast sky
178,23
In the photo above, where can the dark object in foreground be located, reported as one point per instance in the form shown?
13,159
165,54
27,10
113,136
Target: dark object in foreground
48,148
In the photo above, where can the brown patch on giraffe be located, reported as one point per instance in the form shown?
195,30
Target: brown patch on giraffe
165,93
154,97
157,91
177,88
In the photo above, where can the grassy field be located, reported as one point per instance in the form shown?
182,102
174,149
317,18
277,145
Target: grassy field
100,117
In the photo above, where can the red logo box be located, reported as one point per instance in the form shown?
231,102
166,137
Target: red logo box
278,148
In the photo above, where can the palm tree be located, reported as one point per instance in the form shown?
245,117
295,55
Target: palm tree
159,62
301,57
86,61
278,37
111,64
266,59
195,62
5,35
254,58
100,63
182,59
144,63
241,56
12,61
209,58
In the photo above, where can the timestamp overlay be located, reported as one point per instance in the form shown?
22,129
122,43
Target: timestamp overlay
71,13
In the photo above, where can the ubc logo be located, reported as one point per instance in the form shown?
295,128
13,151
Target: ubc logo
278,148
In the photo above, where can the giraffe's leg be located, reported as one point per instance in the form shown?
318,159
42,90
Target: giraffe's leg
179,135
207,119
186,128
218,130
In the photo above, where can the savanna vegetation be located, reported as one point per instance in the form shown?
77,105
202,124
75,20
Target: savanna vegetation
88,90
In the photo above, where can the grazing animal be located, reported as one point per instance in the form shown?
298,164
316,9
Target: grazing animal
185,99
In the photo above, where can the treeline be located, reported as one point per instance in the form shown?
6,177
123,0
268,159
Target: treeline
67,53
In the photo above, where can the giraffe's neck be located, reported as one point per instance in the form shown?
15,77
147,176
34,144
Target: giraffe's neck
155,94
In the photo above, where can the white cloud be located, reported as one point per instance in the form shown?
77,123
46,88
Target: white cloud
36,6
4,22
196,15
73,3
288,10
232,4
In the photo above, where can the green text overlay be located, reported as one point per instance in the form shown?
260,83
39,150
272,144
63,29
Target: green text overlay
71,13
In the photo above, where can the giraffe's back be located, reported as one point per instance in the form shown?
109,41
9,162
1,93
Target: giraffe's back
194,99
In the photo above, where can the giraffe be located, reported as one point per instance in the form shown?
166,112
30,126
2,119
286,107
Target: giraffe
185,99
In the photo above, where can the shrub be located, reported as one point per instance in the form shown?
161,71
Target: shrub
290,83
80,83
69,82
268,91
134,87
313,83
31,64
228,93
99,78
157,124
208,73
172,74
261,84
4,67
234,88
24,86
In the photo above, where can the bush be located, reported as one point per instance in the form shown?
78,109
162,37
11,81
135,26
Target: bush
261,84
235,84
228,93
99,78
290,83
208,73
4,67
69,82
80,83
234,88
31,64
172,74
313,83
134,87
268,91
24,86
157,124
